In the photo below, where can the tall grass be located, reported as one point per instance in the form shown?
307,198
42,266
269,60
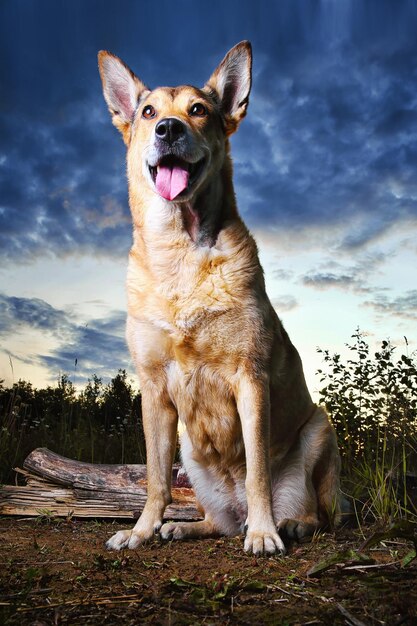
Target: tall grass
373,403
372,399
102,424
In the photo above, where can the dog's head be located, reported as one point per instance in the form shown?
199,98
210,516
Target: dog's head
177,137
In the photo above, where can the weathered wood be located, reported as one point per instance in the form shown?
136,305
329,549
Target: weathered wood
64,471
59,486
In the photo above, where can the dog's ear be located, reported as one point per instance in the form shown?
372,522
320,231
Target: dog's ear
231,82
122,91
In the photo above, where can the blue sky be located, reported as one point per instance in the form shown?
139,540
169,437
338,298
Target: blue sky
325,168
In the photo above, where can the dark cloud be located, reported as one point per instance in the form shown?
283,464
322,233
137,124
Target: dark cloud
355,278
281,274
397,122
399,306
330,134
97,346
62,191
15,312
334,143
326,281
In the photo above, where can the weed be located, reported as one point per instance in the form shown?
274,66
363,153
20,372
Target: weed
372,400
45,516
373,405
101,424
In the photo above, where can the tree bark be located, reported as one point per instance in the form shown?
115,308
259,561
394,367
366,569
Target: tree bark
58,486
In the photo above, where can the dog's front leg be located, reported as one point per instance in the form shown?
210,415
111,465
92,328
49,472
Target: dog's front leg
252,397
160,427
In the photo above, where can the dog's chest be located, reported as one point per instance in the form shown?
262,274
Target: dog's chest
183,287
196,291
189,311
206,406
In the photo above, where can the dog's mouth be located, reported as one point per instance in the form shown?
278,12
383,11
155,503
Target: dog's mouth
174,177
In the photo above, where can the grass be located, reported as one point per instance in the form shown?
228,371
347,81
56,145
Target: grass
372,400
100,425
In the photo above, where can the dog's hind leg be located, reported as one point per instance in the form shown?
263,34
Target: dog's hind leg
190,530
295,501
327,483
306,489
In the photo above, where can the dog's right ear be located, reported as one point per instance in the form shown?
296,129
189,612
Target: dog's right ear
122,91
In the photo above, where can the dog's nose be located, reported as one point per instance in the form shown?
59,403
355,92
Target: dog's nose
169,129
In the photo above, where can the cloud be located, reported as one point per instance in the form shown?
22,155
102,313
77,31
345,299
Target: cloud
62,192
330,137
355,278
281,274
17,312
326,281
332,141
97,346
401,306
284,303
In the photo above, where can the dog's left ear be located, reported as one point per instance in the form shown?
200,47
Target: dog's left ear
231,81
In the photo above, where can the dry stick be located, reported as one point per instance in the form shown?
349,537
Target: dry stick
43,563
97,601
289,593
349,616
373,566
19,595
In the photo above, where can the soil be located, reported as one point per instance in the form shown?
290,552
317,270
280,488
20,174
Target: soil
57,571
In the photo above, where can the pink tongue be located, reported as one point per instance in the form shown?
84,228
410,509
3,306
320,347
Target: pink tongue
171,181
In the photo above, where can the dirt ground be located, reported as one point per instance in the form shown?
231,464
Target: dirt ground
57,572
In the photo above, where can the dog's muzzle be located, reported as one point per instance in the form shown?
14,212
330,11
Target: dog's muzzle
175,171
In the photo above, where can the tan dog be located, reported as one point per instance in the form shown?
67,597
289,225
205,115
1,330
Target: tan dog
206,341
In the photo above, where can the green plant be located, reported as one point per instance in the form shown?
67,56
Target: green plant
372,400
101,424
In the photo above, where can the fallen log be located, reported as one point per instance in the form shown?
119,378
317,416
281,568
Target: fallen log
57,486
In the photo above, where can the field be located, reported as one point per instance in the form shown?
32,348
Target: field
58,572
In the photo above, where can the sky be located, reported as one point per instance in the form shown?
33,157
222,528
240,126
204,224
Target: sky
325,169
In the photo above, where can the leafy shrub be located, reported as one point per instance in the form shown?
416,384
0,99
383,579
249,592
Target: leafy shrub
100,425
372,400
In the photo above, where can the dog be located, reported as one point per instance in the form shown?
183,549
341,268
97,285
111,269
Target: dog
207,344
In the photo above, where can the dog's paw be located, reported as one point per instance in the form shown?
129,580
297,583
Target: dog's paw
126,539
173,531
266,543
294,529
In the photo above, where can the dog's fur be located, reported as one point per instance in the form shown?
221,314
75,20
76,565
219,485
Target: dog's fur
206,341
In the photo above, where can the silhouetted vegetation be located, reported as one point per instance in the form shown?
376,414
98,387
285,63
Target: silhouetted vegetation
102,424
371,398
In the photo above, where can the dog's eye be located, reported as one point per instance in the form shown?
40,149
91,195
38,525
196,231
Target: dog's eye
148,112
198,109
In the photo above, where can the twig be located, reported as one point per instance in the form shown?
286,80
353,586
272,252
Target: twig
43,563
373,566
87,601
289,593
19,595
349,616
